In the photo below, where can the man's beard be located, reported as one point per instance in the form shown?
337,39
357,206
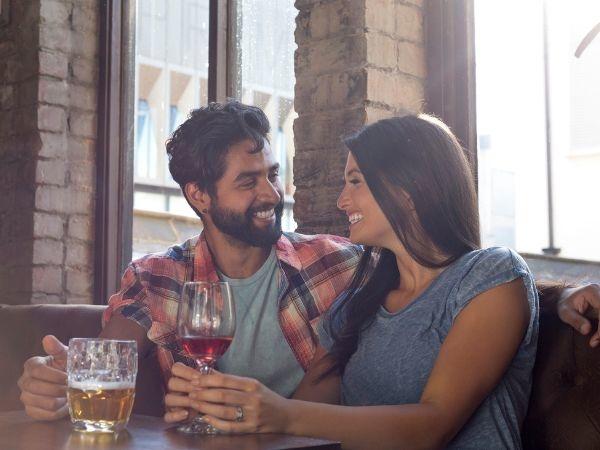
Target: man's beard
241,226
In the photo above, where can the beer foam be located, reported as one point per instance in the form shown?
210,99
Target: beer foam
104,385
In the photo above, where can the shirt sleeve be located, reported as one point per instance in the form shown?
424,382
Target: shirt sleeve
130,300
324,333
494,267
328,322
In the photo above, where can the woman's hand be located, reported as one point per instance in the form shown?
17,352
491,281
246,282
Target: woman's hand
177,400
239,405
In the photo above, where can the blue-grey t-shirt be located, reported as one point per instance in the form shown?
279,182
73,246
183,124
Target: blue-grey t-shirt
397,352
259,348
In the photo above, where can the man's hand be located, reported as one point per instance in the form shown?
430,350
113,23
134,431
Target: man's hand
576,303
44,382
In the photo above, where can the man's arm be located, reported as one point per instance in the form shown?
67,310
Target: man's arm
120,327
43,383
573,304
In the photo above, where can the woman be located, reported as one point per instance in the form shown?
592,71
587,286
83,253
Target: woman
434,342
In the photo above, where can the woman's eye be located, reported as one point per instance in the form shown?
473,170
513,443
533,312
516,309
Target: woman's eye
273,176
354,181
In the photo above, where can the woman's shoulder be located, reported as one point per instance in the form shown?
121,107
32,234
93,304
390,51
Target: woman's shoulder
492,261
484,269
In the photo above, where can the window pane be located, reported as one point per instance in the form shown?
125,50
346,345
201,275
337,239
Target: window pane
512,125
264,76
171,79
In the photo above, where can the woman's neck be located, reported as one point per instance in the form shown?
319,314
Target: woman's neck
414,279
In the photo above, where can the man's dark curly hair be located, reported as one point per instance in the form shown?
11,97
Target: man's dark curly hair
198,148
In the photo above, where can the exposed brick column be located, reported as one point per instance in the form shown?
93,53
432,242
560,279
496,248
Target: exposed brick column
19,143
357,61
54,226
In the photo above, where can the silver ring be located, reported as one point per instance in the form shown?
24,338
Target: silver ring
239,414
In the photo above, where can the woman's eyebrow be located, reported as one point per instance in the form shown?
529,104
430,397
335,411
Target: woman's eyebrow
352,171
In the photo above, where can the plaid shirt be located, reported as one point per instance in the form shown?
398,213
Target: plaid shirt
315,270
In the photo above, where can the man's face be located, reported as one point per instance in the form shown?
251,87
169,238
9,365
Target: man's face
249,197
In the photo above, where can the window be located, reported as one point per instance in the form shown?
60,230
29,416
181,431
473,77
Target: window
171,78
538,126
264,76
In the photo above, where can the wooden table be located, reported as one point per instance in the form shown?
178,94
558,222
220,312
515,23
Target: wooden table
18,432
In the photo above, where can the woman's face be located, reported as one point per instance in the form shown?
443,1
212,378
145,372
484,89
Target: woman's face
368,224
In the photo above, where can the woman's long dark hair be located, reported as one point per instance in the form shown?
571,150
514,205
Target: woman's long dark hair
418,156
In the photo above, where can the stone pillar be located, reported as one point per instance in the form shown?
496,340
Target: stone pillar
357,61
47,156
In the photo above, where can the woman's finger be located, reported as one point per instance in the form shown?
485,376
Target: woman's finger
223,396
219,411
219,380
182,371
177,401
177,384
229,426
176,415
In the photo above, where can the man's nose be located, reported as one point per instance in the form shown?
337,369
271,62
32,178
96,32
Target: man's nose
269,193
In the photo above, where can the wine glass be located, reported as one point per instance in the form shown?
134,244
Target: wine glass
205,326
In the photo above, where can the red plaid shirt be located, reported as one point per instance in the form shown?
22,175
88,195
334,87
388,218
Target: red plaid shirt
315,270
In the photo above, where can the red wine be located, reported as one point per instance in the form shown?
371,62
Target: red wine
207,349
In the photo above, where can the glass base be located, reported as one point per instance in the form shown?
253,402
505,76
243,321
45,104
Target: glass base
99,426
197,426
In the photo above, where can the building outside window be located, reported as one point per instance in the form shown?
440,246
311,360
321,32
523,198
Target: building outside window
171,79
522,125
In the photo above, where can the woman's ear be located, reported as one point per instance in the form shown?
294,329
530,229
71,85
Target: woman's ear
197,197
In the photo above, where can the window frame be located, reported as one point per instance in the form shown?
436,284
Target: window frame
450,88
116,97
114,160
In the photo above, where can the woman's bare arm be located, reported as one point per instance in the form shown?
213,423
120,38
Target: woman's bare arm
472,360
314,389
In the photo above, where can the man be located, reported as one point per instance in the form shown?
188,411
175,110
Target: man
282,283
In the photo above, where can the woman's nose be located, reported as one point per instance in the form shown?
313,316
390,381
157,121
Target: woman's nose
342,201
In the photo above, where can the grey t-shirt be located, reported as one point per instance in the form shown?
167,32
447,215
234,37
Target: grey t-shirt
259,349
396,353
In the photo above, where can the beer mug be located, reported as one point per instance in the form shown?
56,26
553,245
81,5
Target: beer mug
101,383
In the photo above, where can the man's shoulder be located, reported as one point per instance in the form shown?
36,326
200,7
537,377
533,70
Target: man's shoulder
176,254
320,245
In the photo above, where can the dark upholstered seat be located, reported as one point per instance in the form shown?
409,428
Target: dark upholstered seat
22,329
564,411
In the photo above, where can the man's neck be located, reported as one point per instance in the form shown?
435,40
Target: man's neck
233,258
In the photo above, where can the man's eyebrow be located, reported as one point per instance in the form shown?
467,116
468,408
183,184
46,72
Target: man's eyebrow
255,173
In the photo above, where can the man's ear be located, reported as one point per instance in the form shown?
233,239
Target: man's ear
197,197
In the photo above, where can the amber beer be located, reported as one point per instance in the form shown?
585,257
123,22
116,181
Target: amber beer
104,405
101,383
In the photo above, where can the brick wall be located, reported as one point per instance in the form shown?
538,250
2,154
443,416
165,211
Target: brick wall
357,61
48,93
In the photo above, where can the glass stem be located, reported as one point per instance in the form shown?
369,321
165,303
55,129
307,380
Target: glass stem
203,368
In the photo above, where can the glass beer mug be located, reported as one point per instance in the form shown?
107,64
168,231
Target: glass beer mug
101,383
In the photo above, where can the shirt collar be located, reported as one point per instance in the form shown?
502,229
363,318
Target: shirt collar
204,266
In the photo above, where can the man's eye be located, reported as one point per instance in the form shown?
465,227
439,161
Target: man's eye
248,184
354,181
273,176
